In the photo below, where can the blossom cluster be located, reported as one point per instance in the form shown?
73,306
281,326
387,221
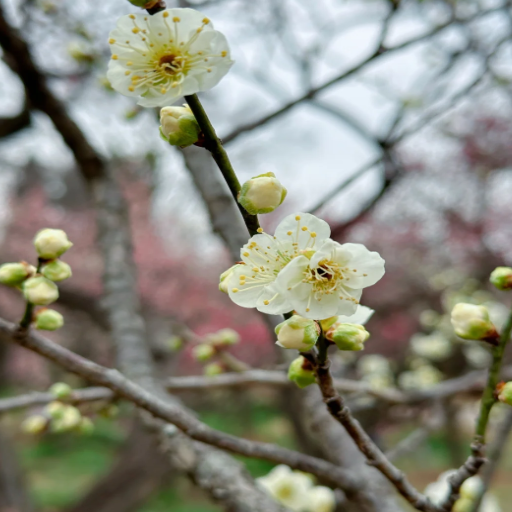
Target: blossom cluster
296,491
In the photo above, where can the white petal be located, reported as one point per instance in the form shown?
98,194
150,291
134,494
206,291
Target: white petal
326,251
292,275
278,303
314,309
190,21
247,295
360,317
294,223
358,257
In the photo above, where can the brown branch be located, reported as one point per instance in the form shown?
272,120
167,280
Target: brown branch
169,412
11,125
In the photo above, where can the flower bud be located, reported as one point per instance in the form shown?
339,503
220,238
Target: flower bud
68,420
301,372
262,194
40,291
178,126
327,323
224,278
472,488
48,320
13,274
321,499
61,390
56,270
501,277
175,343
144,4
225,337
55,409
472,322
504,392
463,505
34,424
80,53
297,332
348,336
203,352
51,243
213,369
86,426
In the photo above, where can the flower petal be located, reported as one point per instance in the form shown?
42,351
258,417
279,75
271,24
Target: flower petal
360,317
245,287
367,266
277,302
291,228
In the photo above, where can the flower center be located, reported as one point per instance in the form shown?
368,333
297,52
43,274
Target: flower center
169,63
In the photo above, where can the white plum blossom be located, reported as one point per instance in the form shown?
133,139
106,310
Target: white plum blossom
300,268
287,487
159,58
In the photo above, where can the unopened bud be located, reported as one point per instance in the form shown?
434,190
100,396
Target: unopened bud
225,337
472,488
175,343
203,352
327,323
224,279
178,126
13,274
56,270
61,390
348,336
40,291
86,426
51,243
34,424
80,53
55,409
298,333
48,320
213,369
504,392
301,372
472,322
68,420
144,4
501,277
463,505
262,194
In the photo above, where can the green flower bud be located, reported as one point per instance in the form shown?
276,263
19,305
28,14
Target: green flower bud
51,243
504,391
262,194
224,279
348,336
48,320
178,126
298,333
40,291
61,390
55,409
144,4
175,343
213,369
56,270
463,505
86,426
34,424
472,488
472,322
203,352
501,277
68,420
301,372
225,337
327,323
13,274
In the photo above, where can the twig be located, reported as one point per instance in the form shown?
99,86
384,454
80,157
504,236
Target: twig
79,396
213,144
477,459
339,411
188,423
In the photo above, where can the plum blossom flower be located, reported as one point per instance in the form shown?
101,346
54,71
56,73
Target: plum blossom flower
173,53
300,268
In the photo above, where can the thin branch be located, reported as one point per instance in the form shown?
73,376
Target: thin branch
213,144
185,421
79,396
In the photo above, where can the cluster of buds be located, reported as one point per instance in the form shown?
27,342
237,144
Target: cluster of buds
501,277
178,126
262,194
213,347
58,416
472,322
38,285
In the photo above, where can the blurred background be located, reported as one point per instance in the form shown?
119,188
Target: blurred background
391,120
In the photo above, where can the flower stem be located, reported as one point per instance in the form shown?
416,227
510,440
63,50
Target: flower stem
488,397
213,144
